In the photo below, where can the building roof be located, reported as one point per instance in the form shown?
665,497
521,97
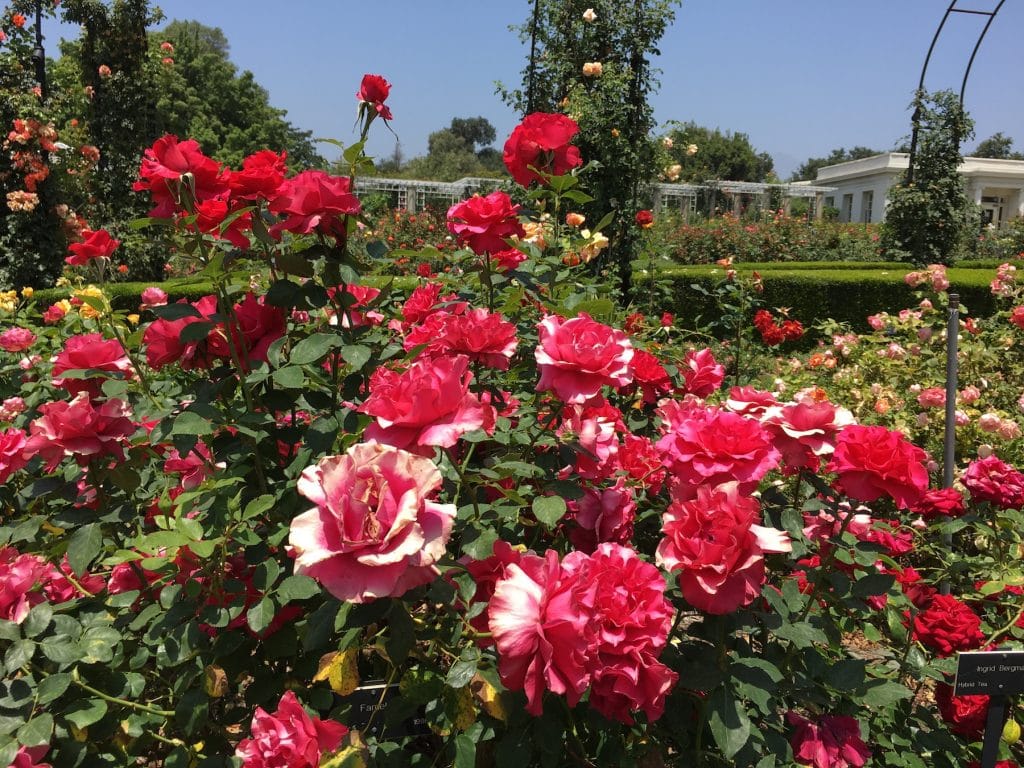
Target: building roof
897,162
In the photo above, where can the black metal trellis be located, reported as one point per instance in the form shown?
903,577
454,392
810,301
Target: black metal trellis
916,118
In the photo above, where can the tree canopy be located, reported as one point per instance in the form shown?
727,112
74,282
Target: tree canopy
808,170
997,146
720,155
462,149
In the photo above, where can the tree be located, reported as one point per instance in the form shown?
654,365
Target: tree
929,219
719,155
452,153
610,104
808,170
997,146
202,95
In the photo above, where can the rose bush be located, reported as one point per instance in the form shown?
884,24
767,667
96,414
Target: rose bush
530,535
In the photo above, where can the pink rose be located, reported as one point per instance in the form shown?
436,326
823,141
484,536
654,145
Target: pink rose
289,737
710,447
80,430
805,432
834,741
748,401
596,429
482,336
20,575
702,373
314,201
90,351
717,544
873,462
539,631
989,479
428,404
933,397
579,356
602,515
12,448
485,224
16,339
153,297
373,532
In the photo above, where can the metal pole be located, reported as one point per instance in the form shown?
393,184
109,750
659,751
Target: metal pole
949,437
38,54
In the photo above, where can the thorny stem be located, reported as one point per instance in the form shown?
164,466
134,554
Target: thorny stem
117,700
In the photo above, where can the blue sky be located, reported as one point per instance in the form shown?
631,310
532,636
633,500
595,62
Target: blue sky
800,77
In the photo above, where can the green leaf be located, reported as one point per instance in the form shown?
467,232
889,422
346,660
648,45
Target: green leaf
18,655
401,633
462,671
289,377
313,349
549,509
297,587
266,574
729,723
85,712
197,331
38,619
36,731
258,506
260,615
84,546
98,644
189,423
801,634
176,311
465,751
52,686
884,693
356,356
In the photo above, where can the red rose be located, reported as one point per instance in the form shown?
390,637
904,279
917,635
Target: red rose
166,162
373,91
833,741
89,351
948,625
873,462
940,502
541,143
259,326
163,339
485,223
95,245
260,177
644,219
314,201
965,715
992,480
717,544
1017,316
210,215
650,376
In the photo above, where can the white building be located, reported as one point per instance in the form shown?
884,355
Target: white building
862,186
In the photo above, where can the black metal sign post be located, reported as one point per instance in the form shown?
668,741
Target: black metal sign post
998,675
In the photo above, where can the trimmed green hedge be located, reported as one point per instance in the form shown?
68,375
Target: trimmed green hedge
814,294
